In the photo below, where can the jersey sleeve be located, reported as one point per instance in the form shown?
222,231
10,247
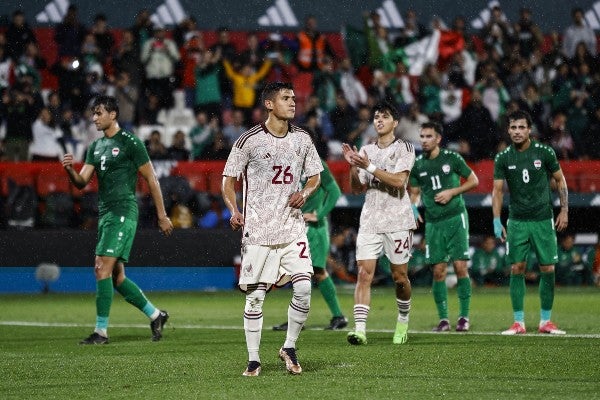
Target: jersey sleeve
413,180
406,158
138,152
89,154
312,162
551,159
499,172
461,166
236,162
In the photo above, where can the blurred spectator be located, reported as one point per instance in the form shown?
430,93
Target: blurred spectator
583,56
18,35
219,150
311,125
478,129
378,41
494,95
31,63
21,111
155,147
217,216
592,137
191,51
593,263
69,34
104,38
86,129
400,87
343,118
363,130
202,135
531,102
497,32
527,33
380,88
253,54
577,32
313,47
244,83
149,109
71,79
487,264
570,268
127,58
430,85
233,130
159,55
412,31
326,83
342,254
177,150
409,126
226,51
127,96
185,30
70,138
353,89
45,146
142,30
208,88
560,138
518,78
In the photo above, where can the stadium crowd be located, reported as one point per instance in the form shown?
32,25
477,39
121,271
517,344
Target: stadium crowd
190,99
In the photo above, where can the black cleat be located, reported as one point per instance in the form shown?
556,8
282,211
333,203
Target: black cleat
253,369
337,323
95,338
157,325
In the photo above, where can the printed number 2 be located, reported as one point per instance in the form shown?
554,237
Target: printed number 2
303,249
287,178
402,246
103,163
435,182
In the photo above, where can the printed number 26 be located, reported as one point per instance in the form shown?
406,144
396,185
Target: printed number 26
282,176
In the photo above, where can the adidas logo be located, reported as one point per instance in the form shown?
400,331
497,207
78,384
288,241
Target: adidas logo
280,14
169,13
53,13
390,17
592,16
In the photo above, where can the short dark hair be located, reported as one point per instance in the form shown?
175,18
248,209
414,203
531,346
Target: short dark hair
437,127
272,88
110,103
384,106
520,114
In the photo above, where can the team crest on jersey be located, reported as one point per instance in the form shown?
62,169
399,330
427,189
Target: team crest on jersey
446,169
115,151
537,164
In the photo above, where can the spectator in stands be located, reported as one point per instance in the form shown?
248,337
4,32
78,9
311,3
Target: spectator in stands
311,125
400,86
412,31
577,32
409,126
353,89
219,150
18,35
185,30
313,47
155,147
477,127
71,79
208,87
6,69
570,268
592,137
245,81
127,96
363,130
177,151
104,38
343,118
21,111
378,41
127,58
233,130
583,56
86,129
530,101
226,51
203,134
142,30
149,110
32,63
487,264
528,34
159,56
191,51
494,95
69,34
253,54
518,78
90,52
326,83
497,32
559,136
430,85
45,146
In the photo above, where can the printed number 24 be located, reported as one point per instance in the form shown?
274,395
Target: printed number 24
282,175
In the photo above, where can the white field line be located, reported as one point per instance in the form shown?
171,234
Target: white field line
239,327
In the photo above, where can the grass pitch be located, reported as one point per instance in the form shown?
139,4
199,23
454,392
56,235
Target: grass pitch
203,353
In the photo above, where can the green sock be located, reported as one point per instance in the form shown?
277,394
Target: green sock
328,291
440,296
517,291
134,296
104,296
463,289
546,289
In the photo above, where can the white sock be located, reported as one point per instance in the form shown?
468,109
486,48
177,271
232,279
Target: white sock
253,320
298,308
361,312
403,310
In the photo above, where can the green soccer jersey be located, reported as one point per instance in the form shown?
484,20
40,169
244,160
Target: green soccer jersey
323,200
527,174
437,174
116,161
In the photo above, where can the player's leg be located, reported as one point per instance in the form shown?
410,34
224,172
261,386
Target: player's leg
517,250
253,321
437,256
103,267
458,250
397,248
463,289
329,293
544,243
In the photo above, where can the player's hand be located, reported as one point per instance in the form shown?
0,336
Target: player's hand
499,230
348,151
418,218
310,217
67,161
443,197
297,200
165,225
562,221
236,221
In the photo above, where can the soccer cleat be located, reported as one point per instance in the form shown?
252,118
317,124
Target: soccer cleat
288,355
356,338
401,333
253,369
443,326
157,325
337,323
550,328
515,329
463,325
95,338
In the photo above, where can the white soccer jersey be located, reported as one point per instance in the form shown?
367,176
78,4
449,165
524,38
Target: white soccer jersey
387,209
272,167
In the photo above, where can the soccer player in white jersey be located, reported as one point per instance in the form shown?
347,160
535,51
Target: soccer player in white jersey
271,158
382,170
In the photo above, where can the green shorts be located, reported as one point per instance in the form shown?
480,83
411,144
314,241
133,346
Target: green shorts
447,240
522,236
115,236
318,241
